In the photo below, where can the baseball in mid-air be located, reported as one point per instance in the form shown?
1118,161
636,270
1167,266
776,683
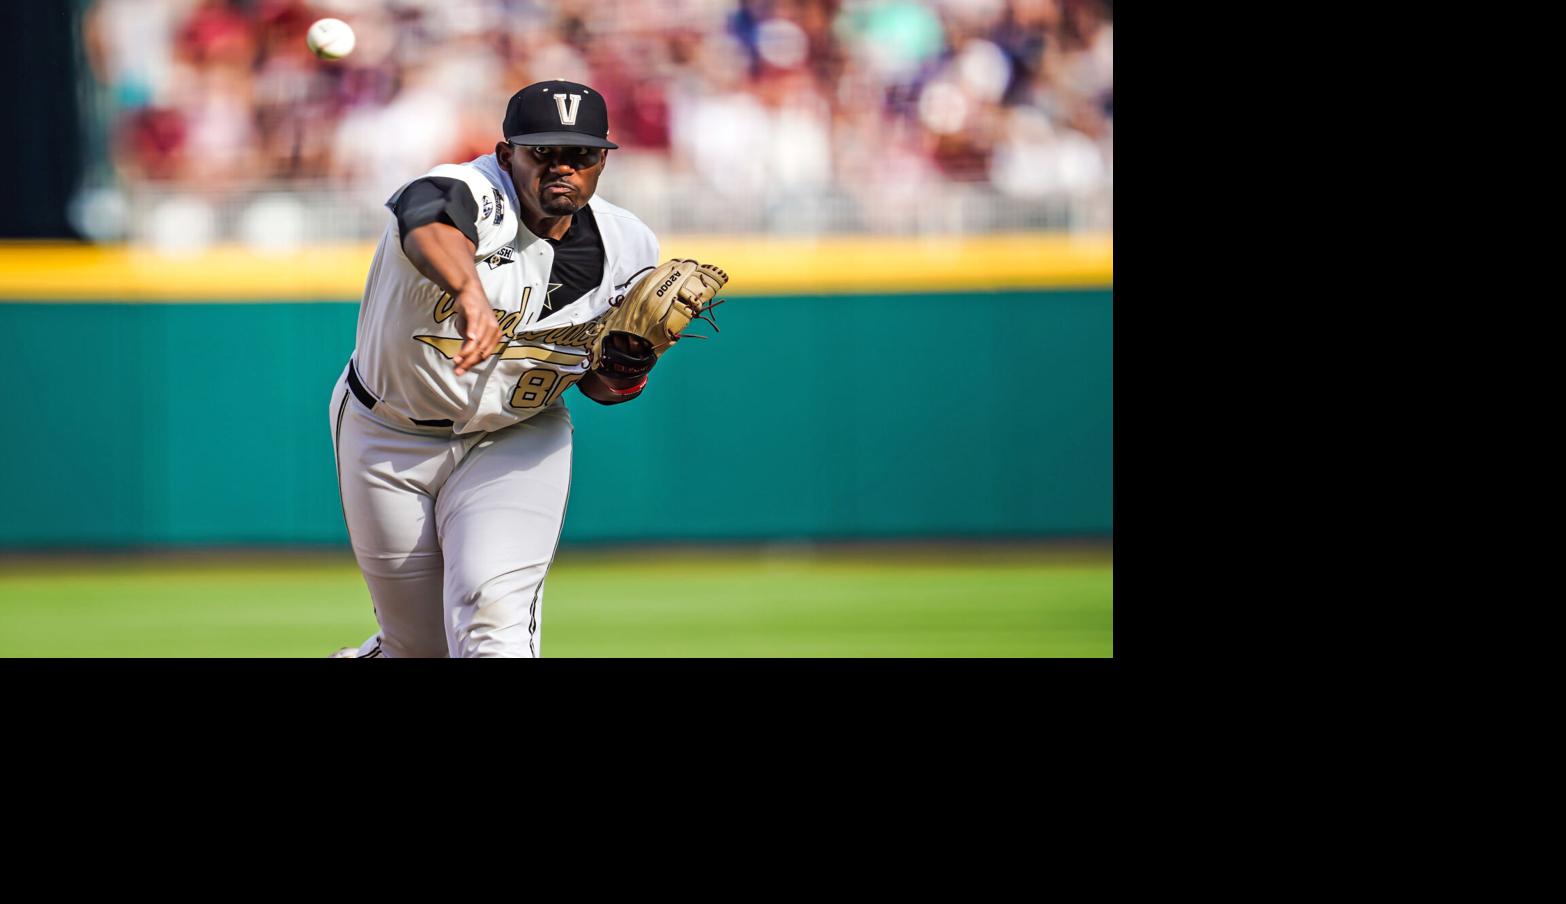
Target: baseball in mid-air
330,39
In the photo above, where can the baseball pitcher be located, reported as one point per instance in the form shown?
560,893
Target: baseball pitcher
498,286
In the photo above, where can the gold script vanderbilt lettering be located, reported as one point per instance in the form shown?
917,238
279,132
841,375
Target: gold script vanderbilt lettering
578,335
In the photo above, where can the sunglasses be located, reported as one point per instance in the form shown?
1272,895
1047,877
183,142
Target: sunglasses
576,158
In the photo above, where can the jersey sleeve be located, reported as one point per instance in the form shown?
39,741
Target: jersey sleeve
436,199
461,196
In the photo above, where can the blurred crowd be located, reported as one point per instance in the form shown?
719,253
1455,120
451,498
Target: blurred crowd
768,103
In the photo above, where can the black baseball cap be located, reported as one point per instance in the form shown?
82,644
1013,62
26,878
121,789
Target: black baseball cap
558,114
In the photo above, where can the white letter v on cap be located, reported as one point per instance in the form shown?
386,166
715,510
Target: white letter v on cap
568,116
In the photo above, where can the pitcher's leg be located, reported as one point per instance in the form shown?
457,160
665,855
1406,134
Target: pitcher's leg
382,476
500,513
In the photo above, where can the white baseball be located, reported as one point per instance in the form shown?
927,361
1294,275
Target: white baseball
330,39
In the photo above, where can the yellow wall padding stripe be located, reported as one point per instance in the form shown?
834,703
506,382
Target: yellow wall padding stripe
901,264
756,265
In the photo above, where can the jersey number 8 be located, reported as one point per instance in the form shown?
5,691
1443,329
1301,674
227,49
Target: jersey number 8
541,386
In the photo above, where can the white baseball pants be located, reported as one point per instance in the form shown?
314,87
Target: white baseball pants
454,534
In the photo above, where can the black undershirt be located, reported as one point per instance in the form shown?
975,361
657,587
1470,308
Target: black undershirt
579,262
436,199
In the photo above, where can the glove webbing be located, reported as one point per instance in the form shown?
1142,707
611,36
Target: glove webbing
701,314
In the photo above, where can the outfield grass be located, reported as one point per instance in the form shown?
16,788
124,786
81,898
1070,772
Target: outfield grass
1034,601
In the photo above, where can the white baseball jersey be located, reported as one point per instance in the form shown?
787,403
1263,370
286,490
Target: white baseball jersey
408,335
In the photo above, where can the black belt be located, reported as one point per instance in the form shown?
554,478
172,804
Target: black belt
368,400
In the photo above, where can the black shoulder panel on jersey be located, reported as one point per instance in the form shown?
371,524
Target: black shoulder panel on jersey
436,199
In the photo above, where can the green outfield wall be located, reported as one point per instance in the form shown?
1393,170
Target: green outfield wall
845,416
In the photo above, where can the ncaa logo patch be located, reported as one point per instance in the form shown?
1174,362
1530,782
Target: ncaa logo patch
489,208
500,207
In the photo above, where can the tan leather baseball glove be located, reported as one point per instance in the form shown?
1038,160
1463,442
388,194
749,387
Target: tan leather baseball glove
652,317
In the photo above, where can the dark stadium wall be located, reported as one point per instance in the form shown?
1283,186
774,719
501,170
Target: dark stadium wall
812,416
39,66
